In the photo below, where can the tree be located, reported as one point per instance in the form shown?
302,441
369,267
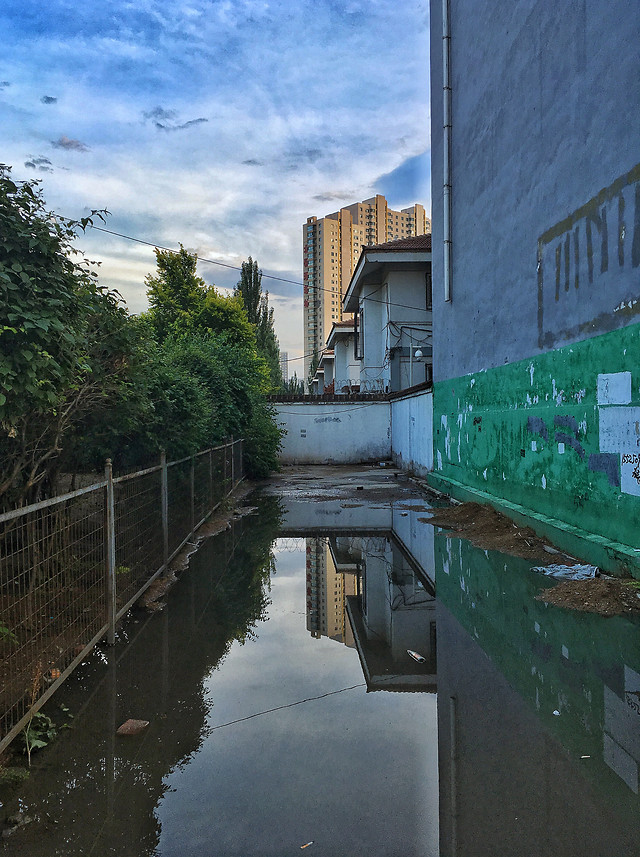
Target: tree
182,302
293,387
315,362
63,340
260,315
208,337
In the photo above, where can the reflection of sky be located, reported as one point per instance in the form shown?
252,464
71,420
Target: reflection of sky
221,125
321,771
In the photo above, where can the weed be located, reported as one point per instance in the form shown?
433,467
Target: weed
39,733
7,634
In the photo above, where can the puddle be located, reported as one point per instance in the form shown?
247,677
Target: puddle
305,687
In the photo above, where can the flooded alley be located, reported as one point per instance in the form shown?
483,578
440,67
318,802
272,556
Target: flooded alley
336,675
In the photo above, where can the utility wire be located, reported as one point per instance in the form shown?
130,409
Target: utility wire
281,707
200,258
239,268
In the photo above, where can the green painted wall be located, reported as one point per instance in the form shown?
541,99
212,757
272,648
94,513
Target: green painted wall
558,434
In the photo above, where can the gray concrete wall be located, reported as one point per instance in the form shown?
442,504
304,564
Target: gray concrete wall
546,131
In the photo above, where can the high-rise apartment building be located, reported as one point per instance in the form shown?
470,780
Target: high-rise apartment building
331,247
284,366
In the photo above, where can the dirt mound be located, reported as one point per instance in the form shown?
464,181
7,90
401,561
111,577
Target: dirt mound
490,530
600,595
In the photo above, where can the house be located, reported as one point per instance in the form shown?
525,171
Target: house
390,297
346,366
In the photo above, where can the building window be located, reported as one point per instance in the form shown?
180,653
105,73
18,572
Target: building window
429,289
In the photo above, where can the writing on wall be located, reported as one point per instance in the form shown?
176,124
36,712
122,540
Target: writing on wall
580,257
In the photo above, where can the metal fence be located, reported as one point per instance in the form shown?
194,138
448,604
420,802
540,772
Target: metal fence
72,566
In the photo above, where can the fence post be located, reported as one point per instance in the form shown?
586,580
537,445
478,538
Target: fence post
111,555
164,490
211,501
233,465
192,480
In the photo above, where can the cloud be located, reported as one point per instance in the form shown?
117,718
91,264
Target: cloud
165,120
184,125
67,143
43,165
281,142
48,99
330,196
159,114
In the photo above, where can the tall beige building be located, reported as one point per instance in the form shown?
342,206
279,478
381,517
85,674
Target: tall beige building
331,247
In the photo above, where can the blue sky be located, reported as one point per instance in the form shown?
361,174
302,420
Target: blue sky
221,125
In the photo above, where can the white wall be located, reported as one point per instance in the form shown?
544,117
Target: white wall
375,373
347,367
412,432
335,432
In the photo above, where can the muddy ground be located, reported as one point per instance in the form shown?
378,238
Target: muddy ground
489,530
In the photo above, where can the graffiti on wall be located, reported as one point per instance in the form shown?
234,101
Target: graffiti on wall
577,259
619,434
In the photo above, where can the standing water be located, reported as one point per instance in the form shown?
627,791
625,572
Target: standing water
306,691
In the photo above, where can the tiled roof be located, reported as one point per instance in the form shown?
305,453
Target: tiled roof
415,243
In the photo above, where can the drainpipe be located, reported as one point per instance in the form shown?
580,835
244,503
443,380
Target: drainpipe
446,147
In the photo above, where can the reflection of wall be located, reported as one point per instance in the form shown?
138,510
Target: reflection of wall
394,613
585,669
394,600
507,785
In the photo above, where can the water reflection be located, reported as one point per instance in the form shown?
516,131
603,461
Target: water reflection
366,591
539,733
264,734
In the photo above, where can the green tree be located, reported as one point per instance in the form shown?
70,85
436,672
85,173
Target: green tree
260,315
315,362
181,302
293,387
208,336
63,338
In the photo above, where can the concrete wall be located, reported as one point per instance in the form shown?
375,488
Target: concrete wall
537,355
335,432
544,165
412,432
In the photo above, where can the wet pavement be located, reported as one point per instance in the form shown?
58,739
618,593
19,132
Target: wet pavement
304,686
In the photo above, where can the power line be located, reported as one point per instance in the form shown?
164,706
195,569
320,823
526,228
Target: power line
288,705
239,268
201,258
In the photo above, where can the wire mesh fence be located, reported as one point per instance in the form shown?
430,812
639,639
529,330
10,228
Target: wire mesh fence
71,567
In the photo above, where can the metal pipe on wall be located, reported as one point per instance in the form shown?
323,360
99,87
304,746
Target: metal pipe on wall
446,147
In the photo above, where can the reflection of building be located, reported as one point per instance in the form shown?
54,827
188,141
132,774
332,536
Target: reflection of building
393,614
328,584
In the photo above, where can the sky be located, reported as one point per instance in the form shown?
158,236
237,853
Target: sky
218,124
